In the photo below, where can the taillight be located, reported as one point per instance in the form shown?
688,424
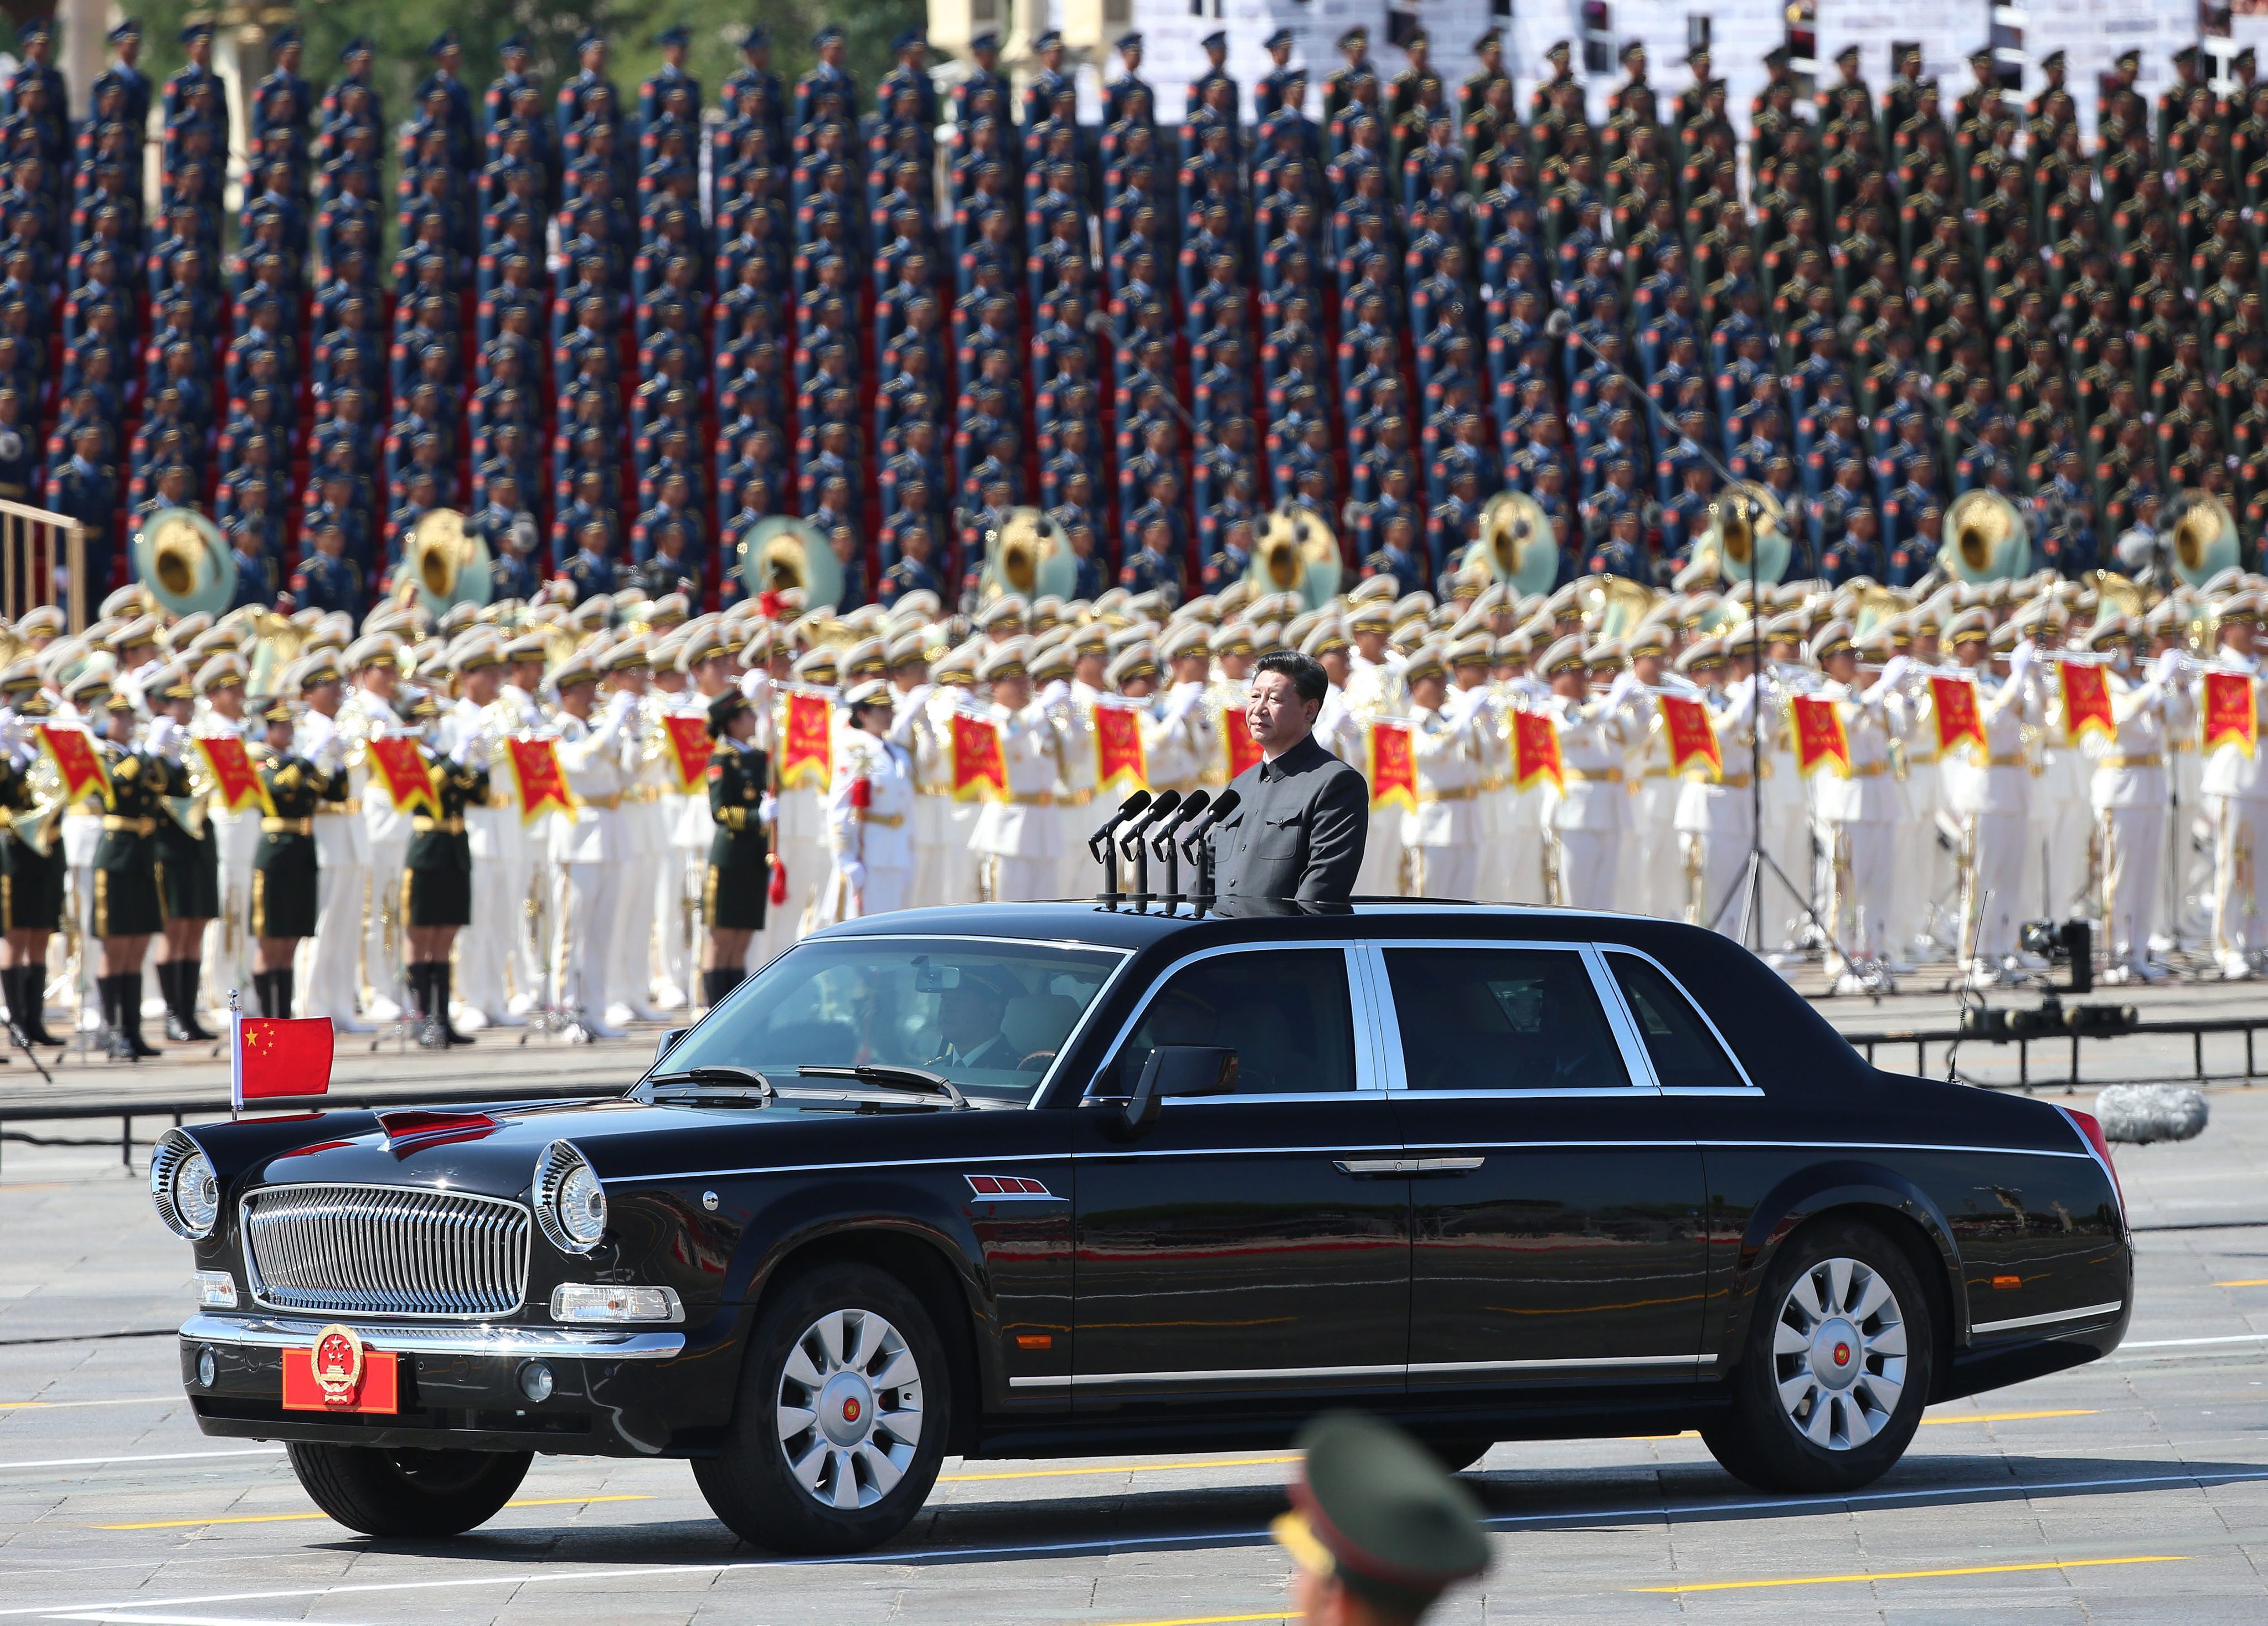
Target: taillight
2092,1131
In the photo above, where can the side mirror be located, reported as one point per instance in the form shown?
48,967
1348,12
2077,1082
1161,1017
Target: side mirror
667,1043
1179,1071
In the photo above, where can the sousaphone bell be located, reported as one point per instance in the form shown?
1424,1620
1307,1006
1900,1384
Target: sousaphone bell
782,552
450,565
1518,543
1985,539
185,562
1296,552
1029,556
1747,535
2203,538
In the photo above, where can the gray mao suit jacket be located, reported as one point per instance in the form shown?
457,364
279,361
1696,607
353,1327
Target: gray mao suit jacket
1298,830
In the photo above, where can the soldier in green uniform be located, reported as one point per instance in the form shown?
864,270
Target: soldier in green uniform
31,879
283,871
1378,1527
129,906
733,894
437,882
189,859
1474,91
1338,84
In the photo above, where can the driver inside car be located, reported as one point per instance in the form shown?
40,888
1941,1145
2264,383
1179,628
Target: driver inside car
969,1014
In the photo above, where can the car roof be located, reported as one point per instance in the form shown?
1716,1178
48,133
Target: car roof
1256,919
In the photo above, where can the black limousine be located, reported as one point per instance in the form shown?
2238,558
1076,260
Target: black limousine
1062,1179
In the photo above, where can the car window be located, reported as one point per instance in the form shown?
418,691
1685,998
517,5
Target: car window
989,1017
1501,1019
1285,1012
1686,1054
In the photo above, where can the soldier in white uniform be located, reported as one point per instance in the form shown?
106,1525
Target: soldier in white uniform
1337,730
1188,731
1715,818
1921,794
2235,783
2128,794
870,805
1052,667
236,835
1584,818
1654,881
478,723
1787,833
626,667
1512,860
528,875
1017,837
1073,709
799,832
946,863
592,847
1375,692
2057,867
1858,811
1990,793
329,982
1441,832
367,714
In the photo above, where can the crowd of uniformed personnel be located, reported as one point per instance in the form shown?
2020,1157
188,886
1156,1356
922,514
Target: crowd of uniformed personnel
1930,769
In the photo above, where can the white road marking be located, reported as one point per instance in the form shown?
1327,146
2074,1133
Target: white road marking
165,1456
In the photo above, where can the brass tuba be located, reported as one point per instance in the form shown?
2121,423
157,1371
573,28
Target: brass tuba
1297,552
1987,539
2203,538
1747,535
2118,593
780,552
1518,543
1029,556
449,563
185,562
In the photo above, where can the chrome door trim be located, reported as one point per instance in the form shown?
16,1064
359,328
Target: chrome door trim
1602,1362
1748,1085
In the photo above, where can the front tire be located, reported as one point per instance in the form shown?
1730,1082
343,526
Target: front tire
1837,1367
409,1493
840,1425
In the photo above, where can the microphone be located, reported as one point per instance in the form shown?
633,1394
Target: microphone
1558,324
1165,803
1162,842
1128,809
1223,806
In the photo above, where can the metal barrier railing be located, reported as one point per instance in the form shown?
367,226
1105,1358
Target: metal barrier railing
2195,1031
35,545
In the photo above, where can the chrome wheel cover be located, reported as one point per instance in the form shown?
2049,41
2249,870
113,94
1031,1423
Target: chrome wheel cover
849,1409
1839,1354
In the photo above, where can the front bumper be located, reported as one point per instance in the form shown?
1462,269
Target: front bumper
615,1392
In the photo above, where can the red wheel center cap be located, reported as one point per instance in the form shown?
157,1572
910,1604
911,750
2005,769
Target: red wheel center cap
1842,1357
851,1406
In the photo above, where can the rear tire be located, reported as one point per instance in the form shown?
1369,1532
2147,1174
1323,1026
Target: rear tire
1838,1365
844,1405
409,1493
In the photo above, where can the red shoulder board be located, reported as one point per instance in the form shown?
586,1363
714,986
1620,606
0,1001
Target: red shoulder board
715,770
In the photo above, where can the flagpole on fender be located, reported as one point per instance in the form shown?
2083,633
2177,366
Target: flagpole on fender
235,1054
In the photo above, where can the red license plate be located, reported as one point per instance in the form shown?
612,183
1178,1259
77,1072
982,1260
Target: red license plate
376,1387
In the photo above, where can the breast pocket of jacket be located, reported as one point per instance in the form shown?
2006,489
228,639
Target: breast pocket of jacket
1279,836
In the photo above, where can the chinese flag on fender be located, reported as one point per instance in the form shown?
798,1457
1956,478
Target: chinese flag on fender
980,770
1820,742
806,741
401,767
1236,738
543,782
1535,751
275,1057
1685,723
1393,767
2232,711
1121,766
1958,717
2086,701
689,750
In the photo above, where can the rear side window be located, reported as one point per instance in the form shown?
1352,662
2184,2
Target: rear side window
1501,1019
1286,1012
1686,1054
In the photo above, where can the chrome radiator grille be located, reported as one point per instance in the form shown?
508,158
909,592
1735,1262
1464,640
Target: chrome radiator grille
385,1250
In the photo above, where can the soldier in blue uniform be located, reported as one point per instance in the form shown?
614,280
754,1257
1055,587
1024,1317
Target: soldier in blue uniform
1154,566
655,89
1216,50
1270,94
911,48
1116,92
85,488
326,579
125,71
985,49
1051,80
592,569
912,572
284,81
591,52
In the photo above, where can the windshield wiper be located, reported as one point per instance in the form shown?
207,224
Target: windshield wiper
748,1085
933,1089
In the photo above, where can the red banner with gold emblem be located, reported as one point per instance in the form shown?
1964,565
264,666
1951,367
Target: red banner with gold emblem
1690,736
980,768
2231,711
541,781
1121,765
690,750
1959,717
1535,751
234,779
2085,690
1820,742
806,754
1236,739
401,766
1393,767
73,753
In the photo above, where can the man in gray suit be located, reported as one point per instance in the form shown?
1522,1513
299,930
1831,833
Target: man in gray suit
1302,814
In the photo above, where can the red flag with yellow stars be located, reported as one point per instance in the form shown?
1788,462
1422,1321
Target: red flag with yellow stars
1236,739
400,767
1393,767
541,782
2231,711
1958,716
1535,751
690,750
806,741
1121,765
73,753
2086,701
980,768
233,775
1820,742
1691,735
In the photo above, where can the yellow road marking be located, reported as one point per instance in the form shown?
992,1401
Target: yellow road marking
284,1519
1129,1468
139,1399
1909,1575
2247,1281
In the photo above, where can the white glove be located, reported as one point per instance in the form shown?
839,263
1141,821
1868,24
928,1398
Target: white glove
2169,666
853,873
2020,663
620,703
767,810
1895,670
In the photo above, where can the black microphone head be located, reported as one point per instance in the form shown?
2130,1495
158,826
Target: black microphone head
1225,804
1167,802
1196,804
1134,804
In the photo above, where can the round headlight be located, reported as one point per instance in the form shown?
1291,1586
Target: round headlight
184,1187
570,1205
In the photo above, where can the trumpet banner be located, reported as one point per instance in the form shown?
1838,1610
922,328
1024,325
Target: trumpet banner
690,748
2231,711
2086,691
1959,717
980,766
1121,765
540,780
1691,736
1236,739
806,741
233,775
72,751
1820,742
1393,767
1535,751
401,767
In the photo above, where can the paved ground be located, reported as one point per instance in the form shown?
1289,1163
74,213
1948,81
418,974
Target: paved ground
2133,1490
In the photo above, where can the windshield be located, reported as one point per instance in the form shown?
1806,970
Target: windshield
988,1015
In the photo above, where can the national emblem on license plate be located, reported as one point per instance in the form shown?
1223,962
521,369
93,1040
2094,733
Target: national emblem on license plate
340,1374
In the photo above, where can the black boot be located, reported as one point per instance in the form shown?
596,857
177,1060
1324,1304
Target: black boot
112,1034
715,985
264,994
274,990
11,987
129,1013
169,982
437,1007
432,1030
189,977
33,980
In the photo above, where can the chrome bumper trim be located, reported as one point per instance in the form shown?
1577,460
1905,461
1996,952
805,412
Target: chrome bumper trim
576,1343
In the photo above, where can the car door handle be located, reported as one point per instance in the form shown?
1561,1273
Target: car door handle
1359,1167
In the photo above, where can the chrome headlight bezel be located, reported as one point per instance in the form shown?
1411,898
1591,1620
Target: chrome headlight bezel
184,1187
566,1191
